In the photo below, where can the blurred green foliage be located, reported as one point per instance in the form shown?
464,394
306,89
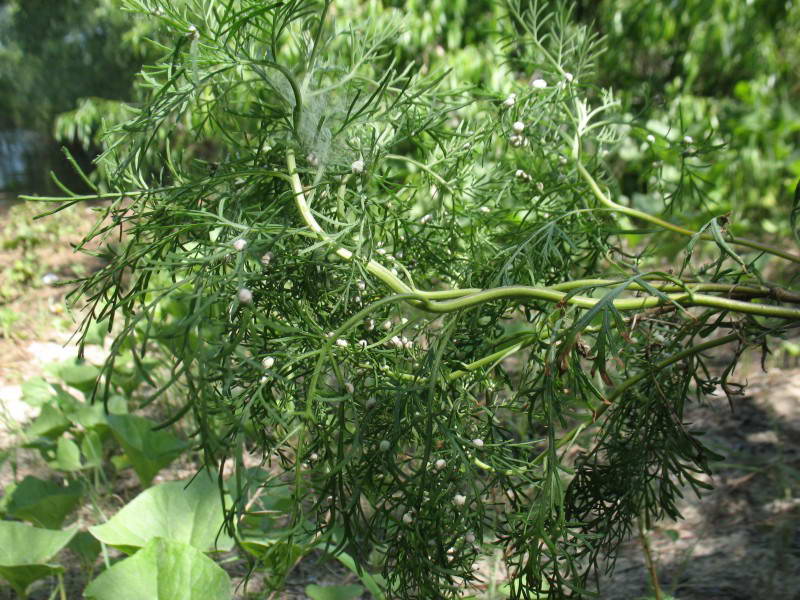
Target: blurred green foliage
725,69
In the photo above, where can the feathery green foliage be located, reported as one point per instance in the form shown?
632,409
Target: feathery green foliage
411,297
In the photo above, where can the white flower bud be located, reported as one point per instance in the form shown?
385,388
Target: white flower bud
477,442
510,101
687,139
459,500
369,324
539,84
266,259
370,402
357,166
341,343
312,159
193,33
314,456
408,518
245,296
485,209
651,138
470,538
426,219
362,343
349,388
441,464
361,285
268,362
403,321
385,445
387,325
568,76
396,342
518,127
240,244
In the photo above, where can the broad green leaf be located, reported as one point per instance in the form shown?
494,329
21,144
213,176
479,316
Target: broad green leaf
68,455
374,583
162,570
81,376
51,422
148,451
188,512
25,552
333,592
44,503
36,391
86,546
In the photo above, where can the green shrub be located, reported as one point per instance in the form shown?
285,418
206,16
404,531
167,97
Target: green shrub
411,298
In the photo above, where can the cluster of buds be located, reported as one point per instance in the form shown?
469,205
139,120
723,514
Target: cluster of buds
520,174
401,342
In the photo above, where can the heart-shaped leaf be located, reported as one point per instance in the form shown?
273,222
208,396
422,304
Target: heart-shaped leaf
162,570
187,512
43,503
25,552
148,451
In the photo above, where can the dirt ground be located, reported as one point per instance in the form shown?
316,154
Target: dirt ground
740,541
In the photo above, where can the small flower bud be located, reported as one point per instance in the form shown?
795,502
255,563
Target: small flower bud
387,325
470,538
361,285
357,166
426,219
370,402
268,362
510,101
539,84
569,77
349,388
312,159
341,343
266,259
518,127
408,518
385,445
362,343
314,456
459,500
193,33
485,209
441,464
651,138
477,442
369,324
245,296
687,139
240,244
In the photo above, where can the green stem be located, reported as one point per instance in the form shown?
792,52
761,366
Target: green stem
467,298
632,212
648,557
632,381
